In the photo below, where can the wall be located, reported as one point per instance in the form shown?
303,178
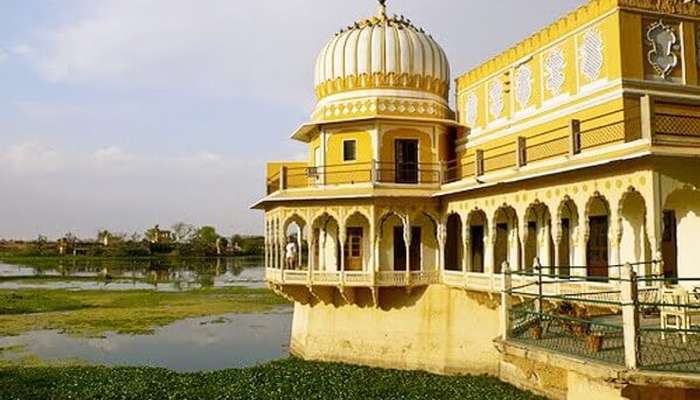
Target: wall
437,329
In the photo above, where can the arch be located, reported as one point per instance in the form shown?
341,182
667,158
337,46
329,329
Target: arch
537,236
294,229
680,228
358,242
506,246
634,245
390,225
597,234
325,232
478,233
425,251
567,223
454,248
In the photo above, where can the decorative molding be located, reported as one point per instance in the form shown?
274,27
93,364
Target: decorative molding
554,67
523,85
381,106
591,54
383,81
472,108
496,103
664,44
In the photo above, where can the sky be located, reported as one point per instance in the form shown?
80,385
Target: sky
123,114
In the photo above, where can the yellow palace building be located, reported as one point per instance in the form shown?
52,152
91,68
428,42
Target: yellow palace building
566,180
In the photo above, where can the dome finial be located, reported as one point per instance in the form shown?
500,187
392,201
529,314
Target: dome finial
382,9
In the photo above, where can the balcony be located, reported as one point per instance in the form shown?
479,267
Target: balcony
351,278
633,131
290,176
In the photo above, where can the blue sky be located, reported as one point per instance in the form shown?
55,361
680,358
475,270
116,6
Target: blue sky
120,114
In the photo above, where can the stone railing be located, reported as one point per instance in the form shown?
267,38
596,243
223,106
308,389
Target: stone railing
352,278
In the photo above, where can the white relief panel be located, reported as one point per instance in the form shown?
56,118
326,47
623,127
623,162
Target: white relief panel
523,85
472,108
554,71
496,103
591,53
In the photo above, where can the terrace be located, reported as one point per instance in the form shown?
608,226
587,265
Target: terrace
631,131
641,322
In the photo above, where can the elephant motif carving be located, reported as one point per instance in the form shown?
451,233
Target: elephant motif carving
664,42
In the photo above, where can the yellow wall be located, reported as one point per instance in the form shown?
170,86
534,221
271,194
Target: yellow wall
339,171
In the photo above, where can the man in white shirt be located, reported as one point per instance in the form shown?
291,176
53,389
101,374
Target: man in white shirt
291,254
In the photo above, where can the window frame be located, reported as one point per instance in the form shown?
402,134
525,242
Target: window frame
354,150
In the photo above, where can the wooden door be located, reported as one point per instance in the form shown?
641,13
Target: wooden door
406,161
669,244
353,249
597,252
501,247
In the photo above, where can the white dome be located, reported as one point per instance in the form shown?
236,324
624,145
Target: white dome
382,52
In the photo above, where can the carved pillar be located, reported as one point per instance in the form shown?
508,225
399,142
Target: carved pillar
407,244
467,258
489,256
557,239
342,239
442,239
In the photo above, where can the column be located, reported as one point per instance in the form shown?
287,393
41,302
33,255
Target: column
441,239
300,255
556,238
322,250
467,258
489,242
342,238
407,244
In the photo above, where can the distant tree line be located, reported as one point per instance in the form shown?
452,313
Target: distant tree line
181,240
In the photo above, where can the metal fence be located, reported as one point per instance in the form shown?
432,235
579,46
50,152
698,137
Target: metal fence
636,319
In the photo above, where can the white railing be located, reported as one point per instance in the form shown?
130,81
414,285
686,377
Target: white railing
296,277
453,278
392,278
355,278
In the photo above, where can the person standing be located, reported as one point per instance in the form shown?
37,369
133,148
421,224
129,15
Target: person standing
291,254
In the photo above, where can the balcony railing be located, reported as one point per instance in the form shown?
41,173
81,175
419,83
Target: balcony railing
352,278
555,144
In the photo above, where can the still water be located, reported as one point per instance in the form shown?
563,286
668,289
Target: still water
133,274
200,344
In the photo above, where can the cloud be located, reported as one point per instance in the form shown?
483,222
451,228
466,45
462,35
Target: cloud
32,158
264,49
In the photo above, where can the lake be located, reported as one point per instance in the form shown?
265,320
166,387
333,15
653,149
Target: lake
198,344
132,274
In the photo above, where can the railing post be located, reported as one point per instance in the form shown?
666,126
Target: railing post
506,287
479,164
658,270
283,177
521,148
374,172
630,316
574,137
646,104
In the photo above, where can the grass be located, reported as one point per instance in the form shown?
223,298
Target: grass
280,380
94,313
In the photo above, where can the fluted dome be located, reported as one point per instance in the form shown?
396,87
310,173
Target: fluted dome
382,52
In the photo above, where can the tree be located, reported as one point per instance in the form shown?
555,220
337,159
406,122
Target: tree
183,232
206,235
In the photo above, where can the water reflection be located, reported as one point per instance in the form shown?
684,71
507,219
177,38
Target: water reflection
202,344
127,274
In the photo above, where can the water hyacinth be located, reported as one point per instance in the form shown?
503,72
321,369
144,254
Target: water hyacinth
285,379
